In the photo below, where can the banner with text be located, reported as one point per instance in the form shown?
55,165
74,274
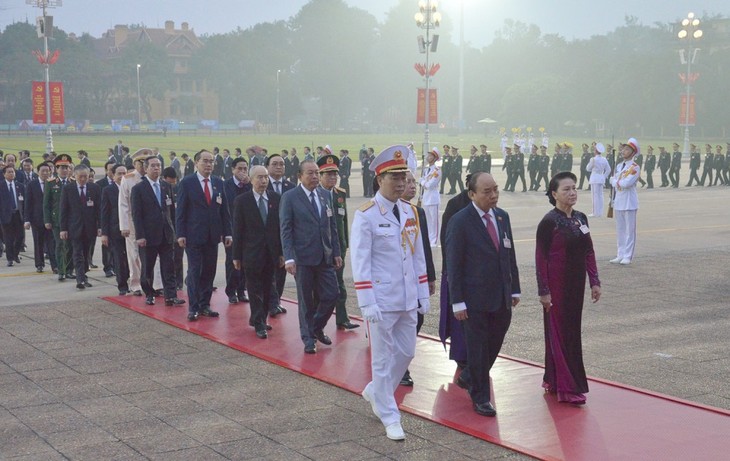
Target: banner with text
683,111
39,102
58,116
432,106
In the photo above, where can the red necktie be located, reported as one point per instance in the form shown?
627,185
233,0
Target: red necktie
207,191
492,231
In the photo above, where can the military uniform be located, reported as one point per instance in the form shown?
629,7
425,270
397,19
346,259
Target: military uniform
430,197
457,163
611,159
518,164
486,160
708,166
339,196
695,160
445,169
665,159
584,159
675,166
533,165
542,169
625,206
508,167
649,166
719,167
52,215
389,271
345,170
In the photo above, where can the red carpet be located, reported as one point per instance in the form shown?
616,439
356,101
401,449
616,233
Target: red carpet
618,422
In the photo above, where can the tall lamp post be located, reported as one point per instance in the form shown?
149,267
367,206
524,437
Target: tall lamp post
690,31
47,29
427,18
139,102
278,104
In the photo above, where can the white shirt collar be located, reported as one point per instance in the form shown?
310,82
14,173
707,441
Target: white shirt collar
257,195
481,212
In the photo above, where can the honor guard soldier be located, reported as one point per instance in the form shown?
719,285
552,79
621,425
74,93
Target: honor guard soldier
584,159
445,167
486,159
695,160
430,198
389,270
345,171
708,166
611,158
665,159
719,166
543,168
457,162
675,166
650,166
52,214
533,162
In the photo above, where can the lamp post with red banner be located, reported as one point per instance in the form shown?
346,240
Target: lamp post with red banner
690,31
427,18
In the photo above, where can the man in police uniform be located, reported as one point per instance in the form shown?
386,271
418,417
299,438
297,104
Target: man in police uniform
386,230
675,166
708,166
665,159
430,197
695,159
328,172
52,214
649,167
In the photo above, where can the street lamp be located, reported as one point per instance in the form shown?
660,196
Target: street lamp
46,21
278,105
427,18
690,31
461,67
139,102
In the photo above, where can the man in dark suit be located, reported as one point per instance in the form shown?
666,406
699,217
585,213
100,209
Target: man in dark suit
111,235
293,176
12,202
483,283
257,244
84,158
106,257
151,202
189,165
169,175
25,174
80,220
33,217
202,221
238,184
345,170
119,152
311,253
175,164
217,163
227,164
279,184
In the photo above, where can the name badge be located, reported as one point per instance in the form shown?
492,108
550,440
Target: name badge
384,225
584,229
90,203
168,201
20,197
341,211
507,242
329,212
219,199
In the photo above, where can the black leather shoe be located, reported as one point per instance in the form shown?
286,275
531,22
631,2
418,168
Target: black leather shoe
407,380
137,292
485,409
10,264
80,286
243,298
109,274
232,300
261,334
323,338
93,266
174,302
192,316
70,276
88,285
17,260
281,309
462,383
123,292
269,327
150,301
39,269
273,312
159,293
347,326
310,348
209,313
61,278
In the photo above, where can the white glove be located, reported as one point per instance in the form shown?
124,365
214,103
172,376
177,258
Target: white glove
371,313
424,305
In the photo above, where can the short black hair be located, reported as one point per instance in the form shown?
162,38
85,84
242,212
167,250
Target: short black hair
238,160
169,172
117,166
110,162
555,181
268,159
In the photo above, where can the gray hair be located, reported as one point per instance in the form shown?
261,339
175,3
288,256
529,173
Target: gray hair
81,167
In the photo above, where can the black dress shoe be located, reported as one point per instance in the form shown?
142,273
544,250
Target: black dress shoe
61,278
159,293
109,274
310,348
10,264
123,292
80,286
192,316
323,338
174,302
347,326
87,285
150,301
281,309
137,292
209,313
70,276
407,380
39,269
273,312
262,334
462,383
243,298
232,300
485,409
269,327
17,260
93,266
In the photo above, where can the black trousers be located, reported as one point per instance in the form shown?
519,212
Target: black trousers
13,236
179,253
148,257
235,279
202,264
259,282
542,176
40,245
313,316
649,179
484,333
277,287
118,249
81,257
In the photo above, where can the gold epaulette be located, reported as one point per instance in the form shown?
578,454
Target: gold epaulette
339,189
130,174
367,205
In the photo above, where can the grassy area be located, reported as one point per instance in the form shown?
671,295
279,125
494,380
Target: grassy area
97,145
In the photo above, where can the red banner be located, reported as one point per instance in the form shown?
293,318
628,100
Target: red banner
57,112
39,102
432,106
683,111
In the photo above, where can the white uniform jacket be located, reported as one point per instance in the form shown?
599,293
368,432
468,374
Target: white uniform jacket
388,262
430,182
125,204
624,182
599,168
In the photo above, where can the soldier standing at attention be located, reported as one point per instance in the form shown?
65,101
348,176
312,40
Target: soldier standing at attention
52,215
457,162
650,166
430,198
345,170
695,160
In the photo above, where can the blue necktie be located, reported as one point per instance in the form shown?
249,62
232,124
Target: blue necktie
157,193
262,208
314,203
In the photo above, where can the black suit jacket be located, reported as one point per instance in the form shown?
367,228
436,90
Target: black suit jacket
195,220
479,275
110,212
102,183
80,220
33,204
231,190
252,239
6,200
152,220
454,205
218,166
22,178
430,269
286,185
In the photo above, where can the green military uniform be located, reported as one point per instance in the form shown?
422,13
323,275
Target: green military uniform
445,169
52,215
719,167
665,160
649,168
339,196
695,160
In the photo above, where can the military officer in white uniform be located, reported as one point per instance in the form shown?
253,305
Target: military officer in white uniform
430,198
598,168
126,226
626,202
389,270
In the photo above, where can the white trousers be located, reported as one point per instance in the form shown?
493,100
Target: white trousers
597,195
392,347
432,219
625,233
135,266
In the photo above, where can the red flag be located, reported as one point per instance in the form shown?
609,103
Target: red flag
54,57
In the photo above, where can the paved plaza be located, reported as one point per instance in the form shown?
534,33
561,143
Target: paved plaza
85,379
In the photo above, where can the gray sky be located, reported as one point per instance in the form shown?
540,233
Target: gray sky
569,18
